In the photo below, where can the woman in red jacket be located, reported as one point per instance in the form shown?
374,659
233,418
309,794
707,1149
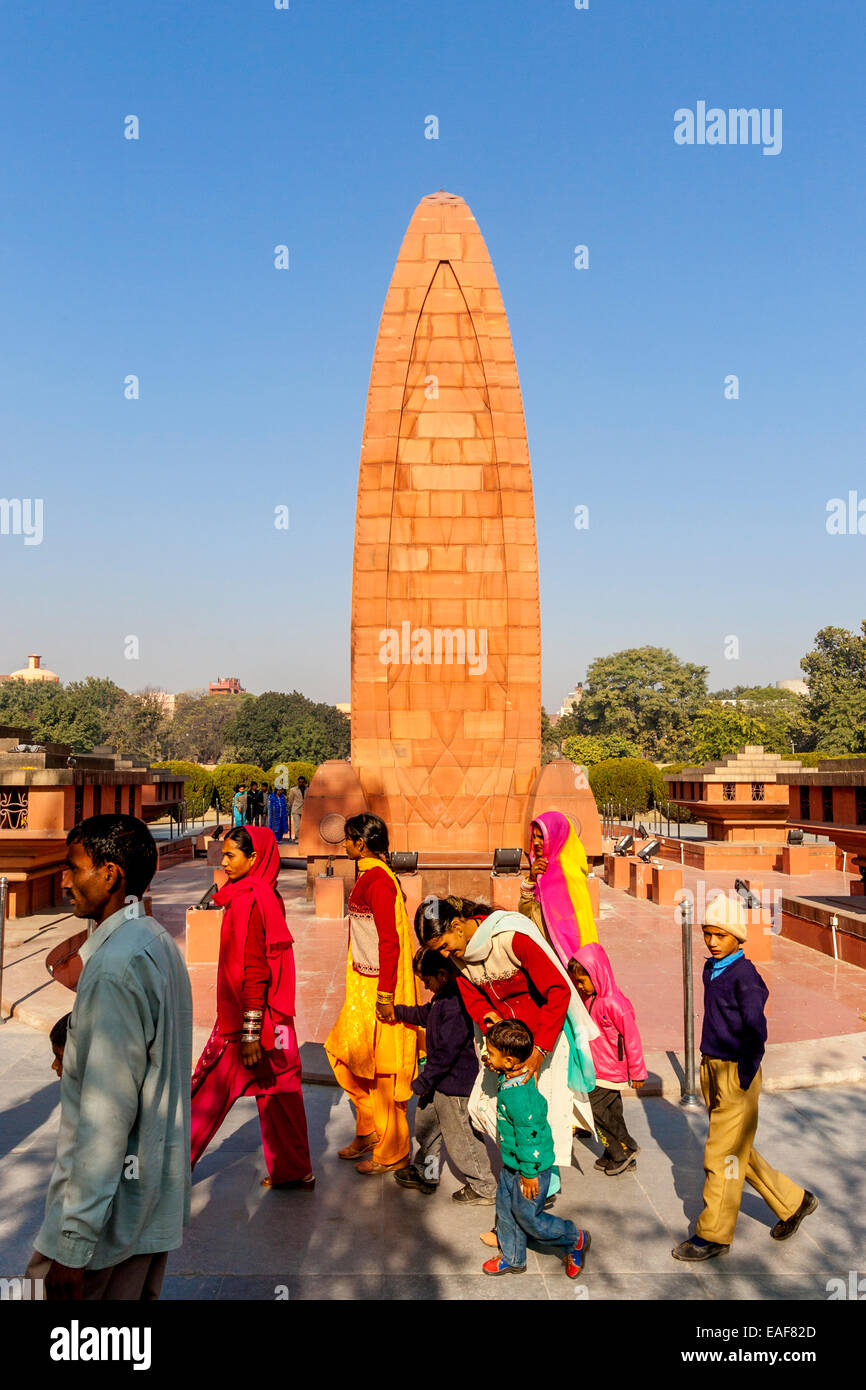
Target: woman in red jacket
507,970
253,1049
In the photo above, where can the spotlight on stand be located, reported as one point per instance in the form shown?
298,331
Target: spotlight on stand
507,861
648,850
751,900
795,836
642,833
404,861
624,844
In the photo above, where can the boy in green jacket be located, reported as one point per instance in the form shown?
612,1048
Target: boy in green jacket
526,1144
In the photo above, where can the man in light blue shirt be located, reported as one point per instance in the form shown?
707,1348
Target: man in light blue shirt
119,1195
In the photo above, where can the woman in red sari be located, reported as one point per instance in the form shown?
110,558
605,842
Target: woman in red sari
253,1049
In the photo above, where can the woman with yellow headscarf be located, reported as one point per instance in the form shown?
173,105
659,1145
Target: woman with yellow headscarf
556,897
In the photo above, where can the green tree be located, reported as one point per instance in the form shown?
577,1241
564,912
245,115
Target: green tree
721,729
139,726
784,714
590,749
198,729
551,739
80,713
645,695
279,728
836,672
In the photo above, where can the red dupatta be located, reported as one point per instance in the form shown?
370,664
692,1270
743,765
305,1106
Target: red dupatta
257,888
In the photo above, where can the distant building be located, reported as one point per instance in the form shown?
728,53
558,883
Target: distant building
167,701
571,701
33,671
225,685
796,686
345,708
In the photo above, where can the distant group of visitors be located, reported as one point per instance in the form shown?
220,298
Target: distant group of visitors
274,809
524,1040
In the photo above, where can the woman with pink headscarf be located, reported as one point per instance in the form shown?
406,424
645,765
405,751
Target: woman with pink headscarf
555,896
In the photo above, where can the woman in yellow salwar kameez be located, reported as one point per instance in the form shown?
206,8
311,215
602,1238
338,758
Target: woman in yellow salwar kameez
375,1061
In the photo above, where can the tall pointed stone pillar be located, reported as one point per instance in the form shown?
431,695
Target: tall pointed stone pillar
446,657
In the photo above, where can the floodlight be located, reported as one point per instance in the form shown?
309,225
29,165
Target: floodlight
649,850
752,900
624,844
405,861
507,861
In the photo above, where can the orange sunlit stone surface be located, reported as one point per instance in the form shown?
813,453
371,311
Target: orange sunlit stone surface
445,555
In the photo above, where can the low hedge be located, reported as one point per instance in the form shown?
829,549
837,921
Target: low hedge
227,776
631,783
287,774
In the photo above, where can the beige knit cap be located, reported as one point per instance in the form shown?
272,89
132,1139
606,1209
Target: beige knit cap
729,913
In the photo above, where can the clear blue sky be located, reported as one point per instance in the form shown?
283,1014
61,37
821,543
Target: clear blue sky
306,126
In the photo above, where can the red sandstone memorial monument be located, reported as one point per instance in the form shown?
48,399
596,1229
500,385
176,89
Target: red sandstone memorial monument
446,644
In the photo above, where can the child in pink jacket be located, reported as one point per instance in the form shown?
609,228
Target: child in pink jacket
616,1053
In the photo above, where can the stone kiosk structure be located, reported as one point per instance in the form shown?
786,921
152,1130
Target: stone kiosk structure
745,805
831,800
446,645
46,789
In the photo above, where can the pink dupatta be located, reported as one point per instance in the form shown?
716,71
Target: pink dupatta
561,889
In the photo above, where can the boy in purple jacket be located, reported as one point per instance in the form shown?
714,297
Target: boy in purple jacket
732,1047
443,1086
617,1055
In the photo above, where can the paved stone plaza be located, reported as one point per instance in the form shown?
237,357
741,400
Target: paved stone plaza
363,1238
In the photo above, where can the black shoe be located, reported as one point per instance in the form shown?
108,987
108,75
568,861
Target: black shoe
687,1250
470,1197
783,1229
602,1163
410,1177
621,1165
550,1202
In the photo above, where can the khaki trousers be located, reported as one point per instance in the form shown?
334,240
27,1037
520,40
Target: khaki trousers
729,1158
137,1279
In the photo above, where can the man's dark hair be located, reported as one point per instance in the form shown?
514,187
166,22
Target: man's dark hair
513,1038
427,962
121,840
57,1035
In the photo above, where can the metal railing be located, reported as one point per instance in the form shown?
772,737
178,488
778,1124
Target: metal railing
618,818
688,1094
4,896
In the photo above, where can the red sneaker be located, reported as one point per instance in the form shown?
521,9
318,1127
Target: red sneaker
500,1266
575,1259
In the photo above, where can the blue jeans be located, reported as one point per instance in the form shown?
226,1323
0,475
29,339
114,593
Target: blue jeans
517,1218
